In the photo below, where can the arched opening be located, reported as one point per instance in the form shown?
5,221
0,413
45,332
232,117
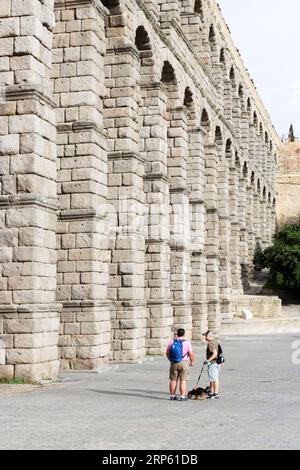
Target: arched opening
232,77
228,148
245,170
274,202
218,136
249,105
168,74
258,186
205,123
241,91
222,56
264,193
188,98
143,45
237,160
111,4
269,198
261,130
212,36
142,40
252,178
199,8
255,119
266,138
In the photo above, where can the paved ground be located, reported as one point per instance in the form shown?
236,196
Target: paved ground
128,407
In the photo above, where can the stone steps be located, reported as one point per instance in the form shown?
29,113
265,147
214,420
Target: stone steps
262,326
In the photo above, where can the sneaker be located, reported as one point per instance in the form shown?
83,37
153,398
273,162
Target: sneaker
214,396
173,398
183,398
209,394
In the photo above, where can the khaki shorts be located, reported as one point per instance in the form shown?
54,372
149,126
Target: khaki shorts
180,371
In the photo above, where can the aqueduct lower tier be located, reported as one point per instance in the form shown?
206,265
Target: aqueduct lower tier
137,169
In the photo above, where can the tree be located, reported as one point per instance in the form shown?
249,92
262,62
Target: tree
283,259
292,134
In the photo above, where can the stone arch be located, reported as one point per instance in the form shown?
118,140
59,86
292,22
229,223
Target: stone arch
212,36
241,91
255,119
266,138
143,45
237,161
264,193
111,5
142,40
258,187
218,136
269,198
261,130
222,56
188,98
249,106
232,76
228,148
205,121
198,8
168,76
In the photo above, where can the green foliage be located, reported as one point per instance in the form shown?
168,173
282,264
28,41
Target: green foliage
16,382
283,259
259,258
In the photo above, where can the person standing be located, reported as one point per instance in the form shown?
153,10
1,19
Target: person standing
181,356
212,354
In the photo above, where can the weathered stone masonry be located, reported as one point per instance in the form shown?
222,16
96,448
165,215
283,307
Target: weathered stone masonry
131,132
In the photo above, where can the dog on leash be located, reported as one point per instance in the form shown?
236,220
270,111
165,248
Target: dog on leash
198,393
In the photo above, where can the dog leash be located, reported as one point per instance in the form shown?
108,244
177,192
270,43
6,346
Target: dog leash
200,374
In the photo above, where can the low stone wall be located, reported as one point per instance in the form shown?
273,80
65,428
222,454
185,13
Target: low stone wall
260,306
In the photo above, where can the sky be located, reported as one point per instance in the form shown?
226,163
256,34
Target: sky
267,33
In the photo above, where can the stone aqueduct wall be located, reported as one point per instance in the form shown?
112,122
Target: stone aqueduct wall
137,171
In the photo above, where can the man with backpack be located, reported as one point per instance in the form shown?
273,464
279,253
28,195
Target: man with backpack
181,356
214,360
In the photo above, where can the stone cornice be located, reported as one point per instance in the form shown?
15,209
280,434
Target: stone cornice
152,86
196,200
23,200
80,126
157,177
29,309
155,241
182,190
159,302
80,214
123,50
85,304
27,92
126,156
68,4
